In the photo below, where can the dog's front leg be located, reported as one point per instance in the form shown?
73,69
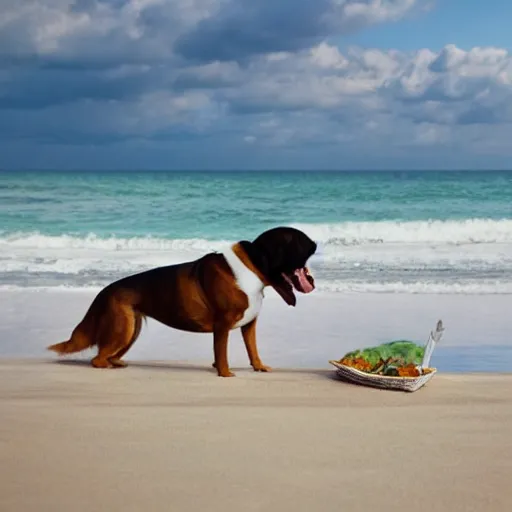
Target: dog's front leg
249,336
220,349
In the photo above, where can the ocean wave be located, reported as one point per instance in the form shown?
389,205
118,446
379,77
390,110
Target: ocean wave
465,231
408,257
36,240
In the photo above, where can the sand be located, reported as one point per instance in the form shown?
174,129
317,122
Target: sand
173,437
169,435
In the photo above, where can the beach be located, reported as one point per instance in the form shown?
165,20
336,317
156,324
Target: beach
165,436
396,253
208,164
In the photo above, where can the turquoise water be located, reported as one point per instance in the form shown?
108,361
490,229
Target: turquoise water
382,231
227,205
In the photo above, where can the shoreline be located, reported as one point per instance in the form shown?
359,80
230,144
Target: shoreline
320,328
319,293
328,371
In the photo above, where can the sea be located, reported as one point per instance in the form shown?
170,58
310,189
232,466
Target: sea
442,234
381,232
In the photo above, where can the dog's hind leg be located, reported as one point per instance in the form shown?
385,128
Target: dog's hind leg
116,332
116,358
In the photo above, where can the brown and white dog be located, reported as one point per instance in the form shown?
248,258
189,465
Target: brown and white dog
216,293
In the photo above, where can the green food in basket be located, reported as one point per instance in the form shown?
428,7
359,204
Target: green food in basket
400,351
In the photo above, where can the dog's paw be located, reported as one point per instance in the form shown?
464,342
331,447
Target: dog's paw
262,368
98,362
223,373
226,373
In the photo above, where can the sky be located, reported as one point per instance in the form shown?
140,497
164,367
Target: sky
255,84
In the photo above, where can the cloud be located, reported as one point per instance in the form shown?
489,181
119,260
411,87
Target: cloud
243,28
154,115
179,74
96,33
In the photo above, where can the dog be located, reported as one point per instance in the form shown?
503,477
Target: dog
216,293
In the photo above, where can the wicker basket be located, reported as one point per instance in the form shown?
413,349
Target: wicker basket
391,382
382,381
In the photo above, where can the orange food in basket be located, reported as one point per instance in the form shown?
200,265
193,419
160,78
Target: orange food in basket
358,363
409,370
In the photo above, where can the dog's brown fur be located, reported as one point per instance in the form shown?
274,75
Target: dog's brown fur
196,296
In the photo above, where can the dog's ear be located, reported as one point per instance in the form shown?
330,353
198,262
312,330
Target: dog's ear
268,259
258,258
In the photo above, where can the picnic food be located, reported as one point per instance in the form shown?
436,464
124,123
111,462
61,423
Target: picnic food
400,358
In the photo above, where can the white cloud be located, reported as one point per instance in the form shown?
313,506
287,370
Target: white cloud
81,30
372,11
327,57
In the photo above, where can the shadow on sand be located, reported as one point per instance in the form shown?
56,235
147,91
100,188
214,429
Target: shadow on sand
188,367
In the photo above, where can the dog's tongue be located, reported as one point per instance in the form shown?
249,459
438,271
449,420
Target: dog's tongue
304,284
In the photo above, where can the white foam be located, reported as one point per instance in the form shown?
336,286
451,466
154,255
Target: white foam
72,255
471,245
484,287
475,255
466,231
420,287
36,240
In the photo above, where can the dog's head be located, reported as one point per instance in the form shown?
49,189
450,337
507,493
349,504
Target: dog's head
281,254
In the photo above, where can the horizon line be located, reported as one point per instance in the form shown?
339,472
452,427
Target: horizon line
241,171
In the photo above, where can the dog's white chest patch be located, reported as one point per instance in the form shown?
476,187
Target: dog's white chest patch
249,283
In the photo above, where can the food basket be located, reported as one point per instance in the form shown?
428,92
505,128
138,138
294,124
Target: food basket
392,382
382,381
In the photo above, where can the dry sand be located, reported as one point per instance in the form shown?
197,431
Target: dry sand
158,437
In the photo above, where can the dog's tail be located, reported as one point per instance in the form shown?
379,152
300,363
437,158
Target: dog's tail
78,342
84,334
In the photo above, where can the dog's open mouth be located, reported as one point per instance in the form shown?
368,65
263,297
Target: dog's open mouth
301,280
